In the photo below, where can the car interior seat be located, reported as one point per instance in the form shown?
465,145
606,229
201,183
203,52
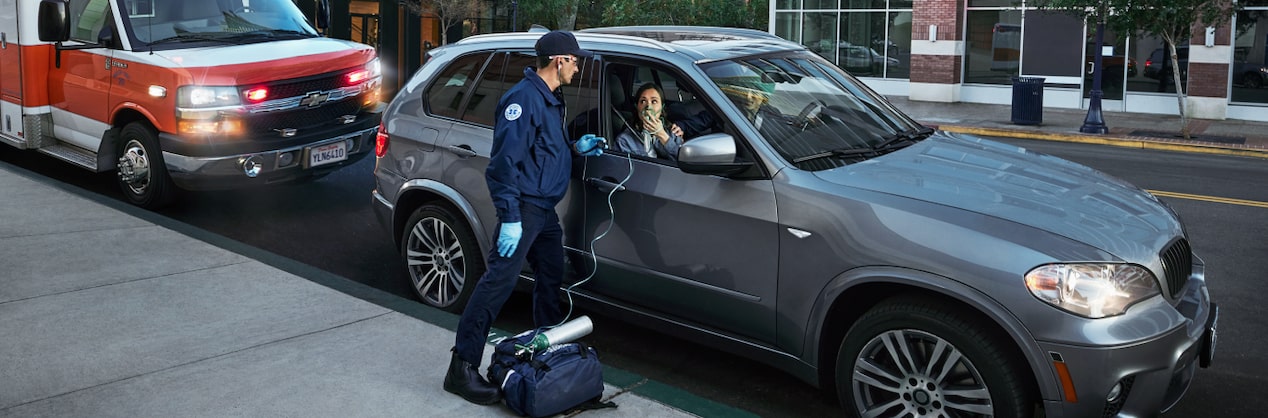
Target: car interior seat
619,92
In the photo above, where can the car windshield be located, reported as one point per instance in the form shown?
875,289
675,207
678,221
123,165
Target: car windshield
219,21
810,111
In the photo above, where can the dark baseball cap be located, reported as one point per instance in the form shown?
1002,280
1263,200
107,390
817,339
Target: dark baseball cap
560,42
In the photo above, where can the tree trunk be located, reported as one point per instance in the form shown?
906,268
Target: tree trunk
1181,90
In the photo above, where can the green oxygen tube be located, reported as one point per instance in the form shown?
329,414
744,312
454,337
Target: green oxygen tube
564,333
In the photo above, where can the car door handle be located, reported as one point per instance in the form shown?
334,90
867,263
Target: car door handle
605,184
463,151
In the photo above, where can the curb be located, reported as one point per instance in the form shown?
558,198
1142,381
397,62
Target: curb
1112,140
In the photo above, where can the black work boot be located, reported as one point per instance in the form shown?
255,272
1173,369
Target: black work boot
464,380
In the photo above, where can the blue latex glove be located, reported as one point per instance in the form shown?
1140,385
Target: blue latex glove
590,145
509,238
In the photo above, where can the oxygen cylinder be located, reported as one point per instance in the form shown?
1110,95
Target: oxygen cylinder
564,333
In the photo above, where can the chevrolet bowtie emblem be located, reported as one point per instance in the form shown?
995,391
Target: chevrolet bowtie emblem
314,99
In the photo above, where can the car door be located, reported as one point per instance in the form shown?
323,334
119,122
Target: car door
79,88
469,91
698,249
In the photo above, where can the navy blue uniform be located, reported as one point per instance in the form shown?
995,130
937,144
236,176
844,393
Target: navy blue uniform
528,174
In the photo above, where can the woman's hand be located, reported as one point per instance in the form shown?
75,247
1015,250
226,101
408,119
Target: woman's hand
654,125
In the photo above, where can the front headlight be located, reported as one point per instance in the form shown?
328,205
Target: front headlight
1092,290
207,96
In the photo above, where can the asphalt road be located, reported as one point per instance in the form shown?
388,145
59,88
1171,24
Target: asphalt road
328,224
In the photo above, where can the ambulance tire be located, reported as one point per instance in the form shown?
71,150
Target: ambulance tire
150,185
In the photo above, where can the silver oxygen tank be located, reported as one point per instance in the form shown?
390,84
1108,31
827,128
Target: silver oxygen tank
568,331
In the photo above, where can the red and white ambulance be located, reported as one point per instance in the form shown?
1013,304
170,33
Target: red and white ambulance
188,94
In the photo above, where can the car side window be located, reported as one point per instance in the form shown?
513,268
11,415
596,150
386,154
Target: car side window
504,70
582,100
87,18
447,92
681,105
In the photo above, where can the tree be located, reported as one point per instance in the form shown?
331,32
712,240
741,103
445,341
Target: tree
449,12
730,13
553,14
1170,20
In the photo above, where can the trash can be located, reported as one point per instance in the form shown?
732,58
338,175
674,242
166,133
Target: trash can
1028,100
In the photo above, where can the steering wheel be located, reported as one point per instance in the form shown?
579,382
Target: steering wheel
809,114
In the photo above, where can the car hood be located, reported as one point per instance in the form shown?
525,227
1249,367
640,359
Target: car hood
1022,186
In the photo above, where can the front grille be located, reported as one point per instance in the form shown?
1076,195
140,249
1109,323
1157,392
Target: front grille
299,87
1177,264
286,114
302,118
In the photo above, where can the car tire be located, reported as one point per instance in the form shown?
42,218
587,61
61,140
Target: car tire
442,257
944,358
142,173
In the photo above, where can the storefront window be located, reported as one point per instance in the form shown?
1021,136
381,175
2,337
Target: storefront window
819,34
1050,47
863,4
1250,56
788,26
1155,72
992,46
868,38
1117,68
861,34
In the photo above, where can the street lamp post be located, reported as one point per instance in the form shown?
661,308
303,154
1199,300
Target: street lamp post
1094,123
515,11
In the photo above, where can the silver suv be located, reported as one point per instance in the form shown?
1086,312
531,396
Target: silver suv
823,232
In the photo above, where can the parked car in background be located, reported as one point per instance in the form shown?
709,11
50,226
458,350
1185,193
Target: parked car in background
816,228
1115,67
1158,65
1250,75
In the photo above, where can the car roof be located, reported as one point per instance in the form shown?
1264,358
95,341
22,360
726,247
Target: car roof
701,43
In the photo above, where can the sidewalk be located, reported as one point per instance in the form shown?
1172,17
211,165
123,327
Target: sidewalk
198,325
1135,130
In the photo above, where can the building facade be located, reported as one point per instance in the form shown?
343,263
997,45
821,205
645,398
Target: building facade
970,51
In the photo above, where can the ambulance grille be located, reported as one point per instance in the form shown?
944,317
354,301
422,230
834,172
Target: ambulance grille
303,118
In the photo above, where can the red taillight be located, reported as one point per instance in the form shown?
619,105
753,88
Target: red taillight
256,95
380,142
1149,63
356,77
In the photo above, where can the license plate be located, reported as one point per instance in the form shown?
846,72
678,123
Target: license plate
327,154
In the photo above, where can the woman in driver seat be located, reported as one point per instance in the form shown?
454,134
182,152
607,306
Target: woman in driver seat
650,134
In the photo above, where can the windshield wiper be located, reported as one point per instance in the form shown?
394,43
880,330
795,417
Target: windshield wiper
838,153
274,33
908,137
191,38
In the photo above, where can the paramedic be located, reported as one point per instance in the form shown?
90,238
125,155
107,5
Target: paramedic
528,173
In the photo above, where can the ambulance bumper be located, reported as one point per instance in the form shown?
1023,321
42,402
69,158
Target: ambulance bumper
295,163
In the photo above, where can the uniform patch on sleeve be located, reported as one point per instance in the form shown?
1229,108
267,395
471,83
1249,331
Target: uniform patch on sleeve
513,111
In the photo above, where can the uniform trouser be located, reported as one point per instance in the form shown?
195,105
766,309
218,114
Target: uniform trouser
542,243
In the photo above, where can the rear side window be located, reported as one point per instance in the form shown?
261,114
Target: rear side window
504,70
446,94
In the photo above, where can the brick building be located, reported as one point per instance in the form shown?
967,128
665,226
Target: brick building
970,50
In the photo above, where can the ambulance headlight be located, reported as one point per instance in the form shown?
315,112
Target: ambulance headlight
207,96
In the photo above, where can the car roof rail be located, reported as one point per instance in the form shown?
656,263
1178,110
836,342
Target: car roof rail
583,37
685,33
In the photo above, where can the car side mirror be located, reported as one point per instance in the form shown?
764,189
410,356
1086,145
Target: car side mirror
54,20
712,154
